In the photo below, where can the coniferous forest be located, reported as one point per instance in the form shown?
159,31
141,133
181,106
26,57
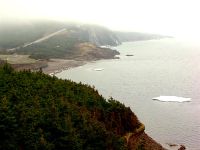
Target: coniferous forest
38,111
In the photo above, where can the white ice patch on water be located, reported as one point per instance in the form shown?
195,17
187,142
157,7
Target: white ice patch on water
98,69
172,99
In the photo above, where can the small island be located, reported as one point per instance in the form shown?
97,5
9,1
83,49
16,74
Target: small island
129,55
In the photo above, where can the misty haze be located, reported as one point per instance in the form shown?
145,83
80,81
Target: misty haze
99,74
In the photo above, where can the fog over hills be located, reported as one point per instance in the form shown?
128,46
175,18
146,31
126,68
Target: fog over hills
45,39
33,30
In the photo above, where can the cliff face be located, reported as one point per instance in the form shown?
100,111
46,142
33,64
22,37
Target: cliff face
143,142
102,36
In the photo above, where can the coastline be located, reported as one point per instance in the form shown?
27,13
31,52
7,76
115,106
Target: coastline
58,65
55,66
51,66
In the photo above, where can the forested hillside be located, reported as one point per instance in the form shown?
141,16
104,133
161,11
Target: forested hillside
42,112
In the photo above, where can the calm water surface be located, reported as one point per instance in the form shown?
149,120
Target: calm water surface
159,67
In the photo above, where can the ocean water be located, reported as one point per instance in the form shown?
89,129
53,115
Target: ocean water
166,67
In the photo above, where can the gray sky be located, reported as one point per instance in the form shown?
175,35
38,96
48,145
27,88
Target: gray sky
171,17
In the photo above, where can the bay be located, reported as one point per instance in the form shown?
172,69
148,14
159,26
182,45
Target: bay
165,67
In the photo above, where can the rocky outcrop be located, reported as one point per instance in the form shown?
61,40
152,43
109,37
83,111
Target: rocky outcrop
143,142
139,140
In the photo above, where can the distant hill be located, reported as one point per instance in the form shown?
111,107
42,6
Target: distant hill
45,40
50,39
70,44
17,34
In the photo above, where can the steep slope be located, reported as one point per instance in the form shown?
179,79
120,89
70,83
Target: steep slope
45,40
32,31
70,44
42,112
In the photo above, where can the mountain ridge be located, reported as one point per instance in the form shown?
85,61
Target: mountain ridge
95,34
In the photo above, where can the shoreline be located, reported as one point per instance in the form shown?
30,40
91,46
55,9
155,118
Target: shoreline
55,66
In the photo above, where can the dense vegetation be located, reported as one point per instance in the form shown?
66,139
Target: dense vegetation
42,112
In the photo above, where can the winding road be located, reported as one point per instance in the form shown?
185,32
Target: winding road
39,40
